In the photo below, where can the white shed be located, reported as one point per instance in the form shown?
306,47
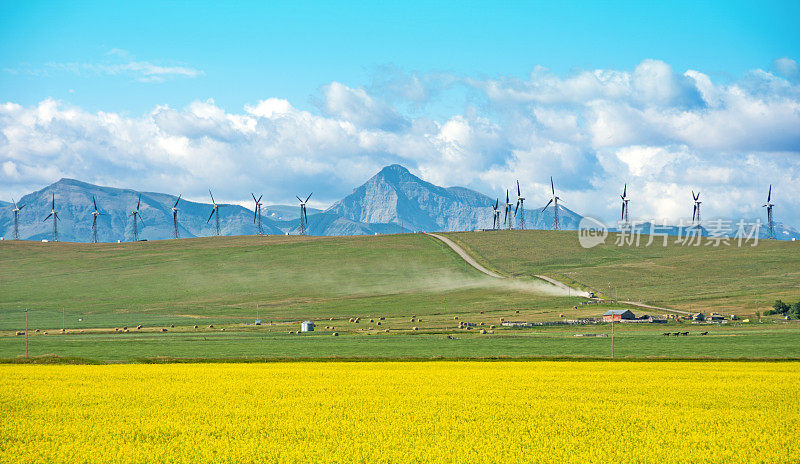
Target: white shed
307,326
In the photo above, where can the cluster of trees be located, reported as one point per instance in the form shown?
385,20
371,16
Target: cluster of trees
785,309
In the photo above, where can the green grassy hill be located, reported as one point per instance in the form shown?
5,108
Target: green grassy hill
410,291
727,279
231,279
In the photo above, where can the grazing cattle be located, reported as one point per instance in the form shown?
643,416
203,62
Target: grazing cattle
684,333
703,333
676,333
666,334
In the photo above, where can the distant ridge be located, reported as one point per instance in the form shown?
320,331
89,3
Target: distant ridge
392,201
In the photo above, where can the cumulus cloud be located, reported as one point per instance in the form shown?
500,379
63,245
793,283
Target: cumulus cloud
661,131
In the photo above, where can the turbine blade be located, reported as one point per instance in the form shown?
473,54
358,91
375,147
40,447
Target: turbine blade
497,203
625,190
48,217
769,195
299,199
309,196
255,214
519,193
259,198
548,204
515,209
623,212
506,196
211,215
552,186
20,207
694,212
254,197
139,202
94,202
54,201
176,201
212,197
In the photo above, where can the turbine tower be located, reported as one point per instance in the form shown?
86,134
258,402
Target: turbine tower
625,219
175,217
95,213
496,215
696,211
521,207
257,217
16,211
303,214
507,218
54,214
137,217
554,200
214,214
768,205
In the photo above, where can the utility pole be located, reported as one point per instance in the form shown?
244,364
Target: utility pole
26,332
62,319
612,337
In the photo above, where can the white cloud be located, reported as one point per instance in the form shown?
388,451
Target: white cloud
663,132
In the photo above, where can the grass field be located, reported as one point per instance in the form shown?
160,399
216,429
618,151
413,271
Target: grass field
571,412
410,285
726,279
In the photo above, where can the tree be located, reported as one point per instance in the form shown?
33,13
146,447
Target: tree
795,311
780,307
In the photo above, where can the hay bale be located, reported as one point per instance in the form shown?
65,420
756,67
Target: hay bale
413,319
481,312
20,333
163,329
336,334
455,318
37,331
45,332
139,327
379,322
419,320
211,326
222,329
351,319
560,315
358,319
383,318
483,331
172,326
415,328
330,319
516,312
372,320
491,327
481,323
125,327
387,331
502,319
195,326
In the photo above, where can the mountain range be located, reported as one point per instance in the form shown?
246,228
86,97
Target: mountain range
392,201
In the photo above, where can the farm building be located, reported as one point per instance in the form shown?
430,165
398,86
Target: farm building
614,315
699,317
307,326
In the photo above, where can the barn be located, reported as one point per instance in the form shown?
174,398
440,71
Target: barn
616,315
307,326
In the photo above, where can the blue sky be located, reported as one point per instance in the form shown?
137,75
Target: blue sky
246,51
287,97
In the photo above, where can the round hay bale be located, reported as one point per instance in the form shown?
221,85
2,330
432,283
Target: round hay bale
413,319
491,327
351,319
455,318
330,319
358,319
419,320
502,319
481,312
483,331
172,326
516,312
139,327
45,332
379,322
37,331
336,334
211,326
195,326
383,318
481,323
560,315
163,329
372,320
20,333
415,328
387,331
125,327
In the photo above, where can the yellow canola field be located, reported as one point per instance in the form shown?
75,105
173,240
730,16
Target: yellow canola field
397,412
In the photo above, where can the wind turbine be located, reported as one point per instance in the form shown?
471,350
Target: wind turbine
554,200
175,217
696,211
625,200
768,205
137,217
303,214
521,207
54,214
214,213
507,218
95,213
496,215
16,211
257,217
